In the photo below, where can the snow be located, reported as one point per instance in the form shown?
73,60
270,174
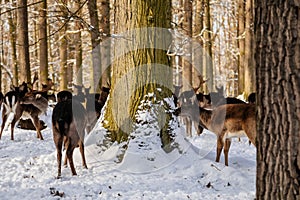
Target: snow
28,167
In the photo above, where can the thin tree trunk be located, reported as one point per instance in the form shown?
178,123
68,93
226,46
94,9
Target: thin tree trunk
23,43
12,38
249,56
63,49
187,74
277,56
43,43
78,46
241,45
96,55
207,59
104,25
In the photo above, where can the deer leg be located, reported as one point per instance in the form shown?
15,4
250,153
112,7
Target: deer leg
58,140
12,127
36,122
69,153
226,150
4,118
220,145
81,148
66,144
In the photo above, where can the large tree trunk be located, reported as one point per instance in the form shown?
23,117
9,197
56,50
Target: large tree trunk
23,43
141,65
43,42
277,28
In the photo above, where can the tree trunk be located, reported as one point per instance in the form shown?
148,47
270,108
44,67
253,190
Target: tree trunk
23,43
249,67
277,56
141,65
43,43
96,55
78,45
207,59
241,45
187,75
63,49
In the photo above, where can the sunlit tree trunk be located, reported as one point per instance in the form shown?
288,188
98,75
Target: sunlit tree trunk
249,67
241,45
23,43
207,60
277,56
141,65
188,31
43,43
78,45
63,49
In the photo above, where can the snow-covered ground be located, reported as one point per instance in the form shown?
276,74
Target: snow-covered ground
28,169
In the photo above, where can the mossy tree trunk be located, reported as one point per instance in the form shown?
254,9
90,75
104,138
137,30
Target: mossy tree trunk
141,65
277,56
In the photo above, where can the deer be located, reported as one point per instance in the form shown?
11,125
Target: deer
64,96
19,104
226,121
94,104
188,97
69,121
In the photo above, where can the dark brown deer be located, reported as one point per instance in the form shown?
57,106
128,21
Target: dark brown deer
94,104
68,124
18,104
226,121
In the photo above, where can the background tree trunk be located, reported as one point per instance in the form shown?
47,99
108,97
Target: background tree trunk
105,49
23,43
43,42
187,75
78,45
277,28
207,58
241,45
249,68
95,39
63,49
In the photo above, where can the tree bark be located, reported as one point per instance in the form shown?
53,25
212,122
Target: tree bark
95,39
63,49
138,66
207,59
78,45
241,45
23,43
249,67
43,43
105,49
277,56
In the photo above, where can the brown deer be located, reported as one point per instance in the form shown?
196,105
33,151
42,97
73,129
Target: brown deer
69,121
226,121
19,104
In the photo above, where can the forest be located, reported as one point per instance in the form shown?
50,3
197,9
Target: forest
154,62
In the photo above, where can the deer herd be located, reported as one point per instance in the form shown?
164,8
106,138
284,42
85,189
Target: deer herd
75,114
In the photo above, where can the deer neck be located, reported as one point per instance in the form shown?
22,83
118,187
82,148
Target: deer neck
205,117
